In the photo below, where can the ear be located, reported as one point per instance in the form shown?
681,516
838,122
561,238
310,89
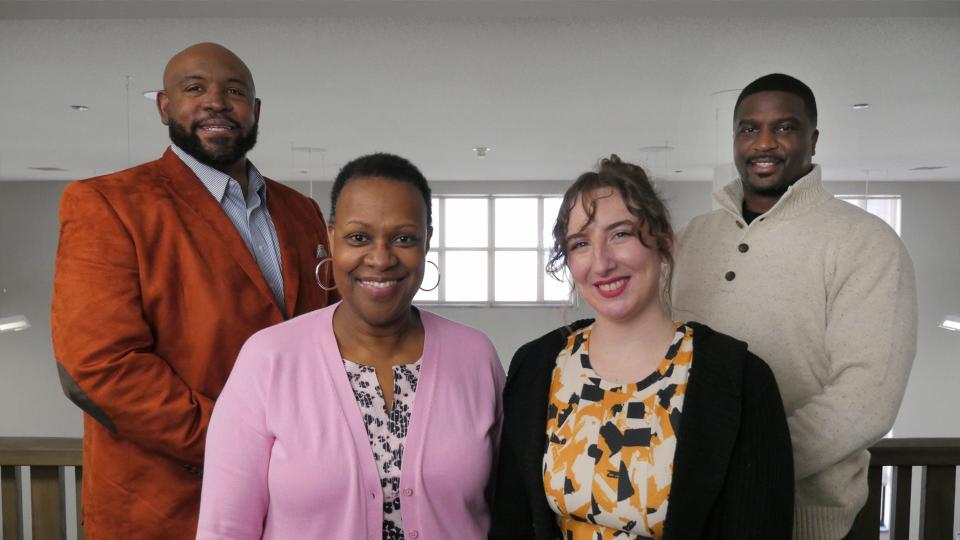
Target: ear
331,230
256,109
813,142
163,101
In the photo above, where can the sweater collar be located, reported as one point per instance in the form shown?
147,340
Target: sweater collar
801,196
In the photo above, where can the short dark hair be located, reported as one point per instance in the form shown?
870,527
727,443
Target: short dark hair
381,165
779,82
642,201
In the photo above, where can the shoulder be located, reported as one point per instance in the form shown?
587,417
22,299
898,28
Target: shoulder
700,225
542,352
134,179
472,343
290,338
288,195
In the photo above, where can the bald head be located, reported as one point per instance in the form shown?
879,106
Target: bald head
208,55
210,105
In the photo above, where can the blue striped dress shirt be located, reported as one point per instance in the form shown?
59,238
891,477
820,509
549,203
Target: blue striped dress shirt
250,216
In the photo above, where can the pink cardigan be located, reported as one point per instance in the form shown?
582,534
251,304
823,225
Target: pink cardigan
288,456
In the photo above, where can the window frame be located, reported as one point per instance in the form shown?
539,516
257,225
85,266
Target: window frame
491,249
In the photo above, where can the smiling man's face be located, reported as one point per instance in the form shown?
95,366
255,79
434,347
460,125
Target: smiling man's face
774,142
210,105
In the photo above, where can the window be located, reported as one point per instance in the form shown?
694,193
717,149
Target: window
887,208
492,250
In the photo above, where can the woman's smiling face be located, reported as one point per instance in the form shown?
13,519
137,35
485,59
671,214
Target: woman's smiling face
612,269
379,245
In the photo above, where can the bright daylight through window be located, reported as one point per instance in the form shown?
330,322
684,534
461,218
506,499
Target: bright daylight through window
492,250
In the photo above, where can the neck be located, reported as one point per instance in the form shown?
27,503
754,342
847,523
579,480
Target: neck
648,327
237,171
394,342
759,203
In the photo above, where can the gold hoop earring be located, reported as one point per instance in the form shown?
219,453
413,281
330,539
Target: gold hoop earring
438,277
316,273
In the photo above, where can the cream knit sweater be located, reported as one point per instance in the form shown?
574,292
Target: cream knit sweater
825,293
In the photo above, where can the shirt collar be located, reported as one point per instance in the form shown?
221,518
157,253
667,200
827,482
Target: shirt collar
216,181
804,192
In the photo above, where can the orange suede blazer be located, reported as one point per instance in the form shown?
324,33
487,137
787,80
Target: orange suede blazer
154,294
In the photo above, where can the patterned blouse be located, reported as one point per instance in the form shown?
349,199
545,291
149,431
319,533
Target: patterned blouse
608,465
386,431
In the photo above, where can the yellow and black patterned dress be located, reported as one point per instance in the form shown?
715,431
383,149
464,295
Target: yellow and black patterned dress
608,465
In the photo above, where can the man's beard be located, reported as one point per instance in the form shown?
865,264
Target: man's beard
189,142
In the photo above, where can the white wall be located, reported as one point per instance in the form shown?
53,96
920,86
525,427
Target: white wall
31,403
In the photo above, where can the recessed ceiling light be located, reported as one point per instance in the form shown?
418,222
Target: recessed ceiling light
481,151
47,169
860,106
80,108
304,171
678,171
951,322
929,168
151,94
14,324
656,148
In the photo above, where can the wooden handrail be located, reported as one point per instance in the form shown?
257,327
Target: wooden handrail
938,457
46,457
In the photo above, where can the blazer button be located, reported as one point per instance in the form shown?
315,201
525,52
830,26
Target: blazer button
730,275
743,248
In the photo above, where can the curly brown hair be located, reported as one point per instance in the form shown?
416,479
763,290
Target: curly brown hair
641,200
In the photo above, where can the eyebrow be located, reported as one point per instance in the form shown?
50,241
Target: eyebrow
202,78
790,118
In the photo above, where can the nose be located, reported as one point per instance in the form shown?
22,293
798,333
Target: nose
217,99
603,260
380,256
765,140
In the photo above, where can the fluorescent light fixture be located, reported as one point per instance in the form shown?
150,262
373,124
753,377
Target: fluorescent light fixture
860,106
14,324
151,94
951,322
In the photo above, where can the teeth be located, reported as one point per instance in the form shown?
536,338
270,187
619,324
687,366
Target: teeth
378,284
607,287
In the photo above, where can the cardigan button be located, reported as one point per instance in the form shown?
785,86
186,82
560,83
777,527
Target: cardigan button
413,533
407,492
730,275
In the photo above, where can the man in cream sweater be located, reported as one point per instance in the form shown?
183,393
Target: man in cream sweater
820,289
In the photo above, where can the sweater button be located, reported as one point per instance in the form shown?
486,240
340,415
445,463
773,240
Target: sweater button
413,533
407,492
743,248
740,225
730,275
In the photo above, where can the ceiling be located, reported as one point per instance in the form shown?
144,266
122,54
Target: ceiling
548,85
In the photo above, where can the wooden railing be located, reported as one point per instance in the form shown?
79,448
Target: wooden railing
47,459
938,459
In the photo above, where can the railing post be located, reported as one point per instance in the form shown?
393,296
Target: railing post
11,493
936,502
49,502
900,485
78,474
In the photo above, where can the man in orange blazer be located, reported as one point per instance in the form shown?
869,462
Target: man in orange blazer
163,271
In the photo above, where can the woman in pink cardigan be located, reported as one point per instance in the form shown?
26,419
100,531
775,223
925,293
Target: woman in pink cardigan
368,419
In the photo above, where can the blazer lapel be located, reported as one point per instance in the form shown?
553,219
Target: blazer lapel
190,190
708,431
289,254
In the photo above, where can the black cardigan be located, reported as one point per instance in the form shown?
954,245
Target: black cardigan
733,467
